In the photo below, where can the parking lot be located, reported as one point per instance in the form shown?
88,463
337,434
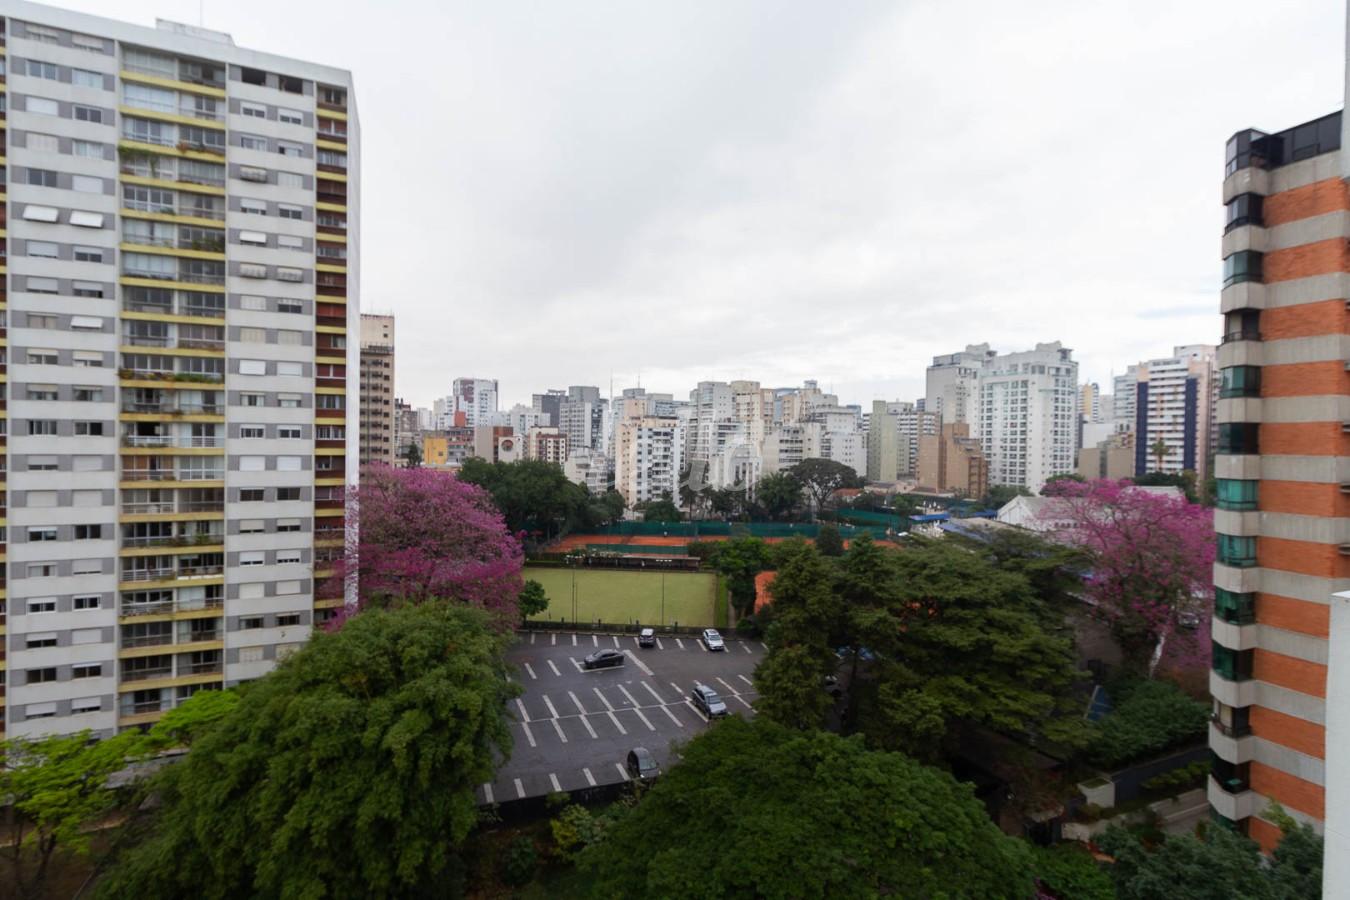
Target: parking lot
572,729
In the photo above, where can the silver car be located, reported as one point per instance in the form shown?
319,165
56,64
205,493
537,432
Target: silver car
712,640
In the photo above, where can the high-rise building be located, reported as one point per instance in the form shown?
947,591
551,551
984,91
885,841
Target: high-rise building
883,442
1029,415
476,398
1283,516
407,428
550,403
547,444
378,428
1125,388
953,461
649,456
183,270
1175,400
581,416
952,388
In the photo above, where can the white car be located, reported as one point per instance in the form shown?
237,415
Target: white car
712,640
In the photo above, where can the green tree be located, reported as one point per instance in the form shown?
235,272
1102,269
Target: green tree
740,560
348,771
1071,872
1149,717
779,495
1184,480
999,494
1160,451
55,788
758,810
412,455
533,495
1065,476
820,478
533,600
185,723
663,510
829,541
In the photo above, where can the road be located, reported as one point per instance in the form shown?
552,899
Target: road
572,729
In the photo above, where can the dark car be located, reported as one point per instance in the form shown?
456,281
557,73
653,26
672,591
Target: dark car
603,659
713,640
647,637
706,699
642,765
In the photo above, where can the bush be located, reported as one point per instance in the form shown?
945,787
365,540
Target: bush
1178,778
1150,717
1068,872
704,550
748,627
829,542
521,861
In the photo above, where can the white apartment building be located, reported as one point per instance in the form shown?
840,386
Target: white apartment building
846,447
519,418
952,385
581,416
1176,400
790,443
589,468
712,420
475,397
1123,401
1029,415
183,261
649,455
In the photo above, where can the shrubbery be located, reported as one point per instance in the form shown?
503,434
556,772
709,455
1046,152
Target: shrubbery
1150,717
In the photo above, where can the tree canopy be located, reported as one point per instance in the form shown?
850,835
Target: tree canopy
425,535
757,810
740,560
829,541
348,771
1000,494
663,510
822,477
778,495
535,497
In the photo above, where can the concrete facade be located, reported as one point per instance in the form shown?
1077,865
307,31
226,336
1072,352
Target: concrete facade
379,430
1029,415
953,461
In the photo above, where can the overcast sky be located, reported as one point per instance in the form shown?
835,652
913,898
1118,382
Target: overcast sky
560,192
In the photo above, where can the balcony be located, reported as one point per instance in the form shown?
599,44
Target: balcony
131,610
185,441
147,640
182,275
147,674
174,209
170,573
191,304
178,540
173,474
168,507
203,668
172,408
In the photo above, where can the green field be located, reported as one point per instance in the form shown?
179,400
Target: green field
623,597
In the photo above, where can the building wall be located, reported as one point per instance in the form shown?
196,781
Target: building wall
1028,415
378,427
183,261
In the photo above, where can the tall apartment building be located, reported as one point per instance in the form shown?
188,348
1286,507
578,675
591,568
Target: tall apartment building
649,455
581,416
883,442
1124,389
1029,415
547,444
407,428
550,403
952,385
1283,517
183,270
476,398
953,461
378,428
1175,401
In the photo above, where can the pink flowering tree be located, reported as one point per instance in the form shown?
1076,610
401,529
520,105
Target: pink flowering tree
1152,561
425,535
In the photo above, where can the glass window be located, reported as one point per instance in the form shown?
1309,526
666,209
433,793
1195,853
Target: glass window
1244,209
1239,437
1238,609
42,105
1240,381
43,143
1245,265
1235,550
86,78
1236,493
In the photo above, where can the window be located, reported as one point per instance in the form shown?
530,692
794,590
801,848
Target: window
40,605
288,524
252,366
41,499
285,273
86,78
88,532
86,704
290,306
88,254
37,641
289,368
252,431
86,323
1239,551
256,110
251,558
43,106
251,495
88,601
34,213
288,464
86,183
252,142
1239,437
41,33
288,619
287,211
290,116
87,670
252,270
289,148
42,464
332,158
251,654
251,526
87,220
252,463
1240,381
42,178
43,249
1236,494
1235,608
288,493
289,432
253,237
286,557
253,76
290,180
254,302
86,498
291,241
36,69
87,359
36,320
87,114
87,42
47,533
289,401
250,623
44,427
255,207
331,401
42,676
43,143
41,710
253,173
1245,265
251,399
250,335
333,96
89,429
42,286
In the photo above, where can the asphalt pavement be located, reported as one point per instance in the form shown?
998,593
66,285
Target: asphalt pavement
572,729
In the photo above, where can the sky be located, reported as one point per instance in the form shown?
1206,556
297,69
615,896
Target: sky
623,192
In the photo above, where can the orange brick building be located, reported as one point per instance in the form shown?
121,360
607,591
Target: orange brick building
1283,517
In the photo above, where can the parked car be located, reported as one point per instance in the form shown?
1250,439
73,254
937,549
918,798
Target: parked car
647,637
713,640
863,653
706,699
642,765
603,659
831,685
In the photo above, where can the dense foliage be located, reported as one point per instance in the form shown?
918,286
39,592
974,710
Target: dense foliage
536,498
778,495
1149,717
829,541
424,535
740,560
1069,872
758,810
820,478
347,772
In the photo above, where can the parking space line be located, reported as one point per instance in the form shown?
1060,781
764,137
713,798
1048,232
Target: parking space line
520,789
554,668
727,686
562,736
574,640
639,663
617,724
487,794
532,637
764,646
553,639
746,680
524,716
673,717
589,730
603,699
695,710
595,641
529,735
653,692
635,642
631,699
650,726
590,779
575,663
549,703
677,688
743,700
746,647
553,780
623,773
616,642
533,677
702,646
680,642
659,645
581,709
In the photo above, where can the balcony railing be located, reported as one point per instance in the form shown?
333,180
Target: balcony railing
177,540
171,408
167,507
181,275
165,574
147,674
173,474
181,308
208,668
1233,731
147,640
149,340
171,606
181,440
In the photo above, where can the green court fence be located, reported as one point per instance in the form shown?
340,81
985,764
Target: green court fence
696,530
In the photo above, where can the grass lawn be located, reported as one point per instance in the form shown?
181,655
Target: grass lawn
623,597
